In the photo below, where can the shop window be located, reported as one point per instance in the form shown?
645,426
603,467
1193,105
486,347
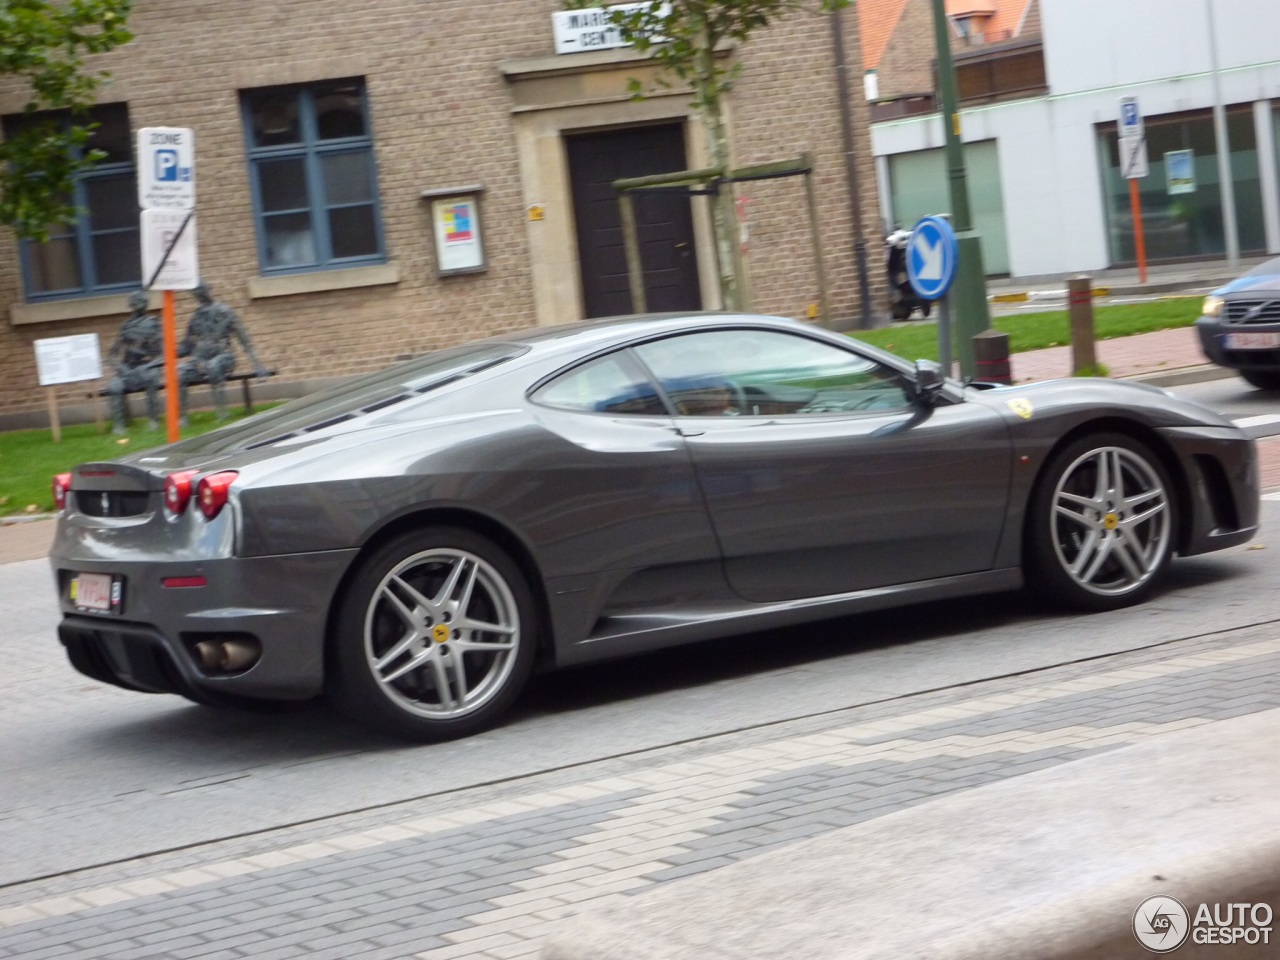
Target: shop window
313,179
98,252
1181,196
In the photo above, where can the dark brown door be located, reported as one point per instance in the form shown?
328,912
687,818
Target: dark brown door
664,220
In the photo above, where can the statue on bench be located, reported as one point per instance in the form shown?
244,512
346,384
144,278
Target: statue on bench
137,357
209,351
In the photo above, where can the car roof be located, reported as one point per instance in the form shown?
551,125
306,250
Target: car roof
609,329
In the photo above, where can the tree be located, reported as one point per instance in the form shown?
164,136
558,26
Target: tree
43,45
683,36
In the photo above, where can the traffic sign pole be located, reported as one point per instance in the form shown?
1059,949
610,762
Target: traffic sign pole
1139,235
970,298
167,191
172,409
1132,147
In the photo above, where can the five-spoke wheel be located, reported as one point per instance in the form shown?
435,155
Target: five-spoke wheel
1101,523
435,636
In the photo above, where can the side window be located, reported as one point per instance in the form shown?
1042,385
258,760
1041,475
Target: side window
612,384
312,172
764,373
99,252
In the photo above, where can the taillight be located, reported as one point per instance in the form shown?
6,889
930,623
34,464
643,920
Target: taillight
61,485
177,491
211,492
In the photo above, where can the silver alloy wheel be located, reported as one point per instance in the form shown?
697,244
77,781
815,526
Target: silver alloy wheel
441,633
1111,523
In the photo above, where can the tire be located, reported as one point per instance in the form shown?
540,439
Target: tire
1100,524
926,308
434,637
1262,379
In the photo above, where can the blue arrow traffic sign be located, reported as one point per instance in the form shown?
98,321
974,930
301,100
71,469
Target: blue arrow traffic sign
933,256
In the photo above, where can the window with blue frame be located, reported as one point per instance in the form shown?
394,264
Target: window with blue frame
99,252
313,178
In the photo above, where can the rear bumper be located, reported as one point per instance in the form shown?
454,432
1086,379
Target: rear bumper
282,603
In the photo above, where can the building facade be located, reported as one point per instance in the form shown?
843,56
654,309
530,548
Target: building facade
379,181
1051,197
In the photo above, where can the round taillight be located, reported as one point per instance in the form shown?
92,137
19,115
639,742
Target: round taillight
177,491
61,485
212,491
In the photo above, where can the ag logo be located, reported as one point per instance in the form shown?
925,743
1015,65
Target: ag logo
1161,924
1022,407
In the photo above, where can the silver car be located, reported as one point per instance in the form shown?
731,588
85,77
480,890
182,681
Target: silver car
415,542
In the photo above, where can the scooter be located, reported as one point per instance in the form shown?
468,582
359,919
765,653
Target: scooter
903,299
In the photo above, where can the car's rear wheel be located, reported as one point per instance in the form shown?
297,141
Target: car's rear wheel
435,636
1262,379
1100,526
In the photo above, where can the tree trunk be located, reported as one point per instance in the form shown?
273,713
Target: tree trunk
724,213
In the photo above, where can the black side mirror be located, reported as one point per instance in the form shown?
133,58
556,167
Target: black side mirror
928,381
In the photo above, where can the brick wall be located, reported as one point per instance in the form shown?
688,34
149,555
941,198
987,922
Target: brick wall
907,64
441,117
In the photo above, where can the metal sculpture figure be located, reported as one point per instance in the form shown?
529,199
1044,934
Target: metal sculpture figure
209,351
137,357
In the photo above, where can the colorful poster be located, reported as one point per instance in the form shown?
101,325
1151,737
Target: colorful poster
457,230
457,223
1180,171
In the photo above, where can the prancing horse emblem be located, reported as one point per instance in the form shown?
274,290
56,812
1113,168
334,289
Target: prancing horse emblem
106,504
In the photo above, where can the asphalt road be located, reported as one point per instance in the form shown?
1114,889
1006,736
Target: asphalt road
96,775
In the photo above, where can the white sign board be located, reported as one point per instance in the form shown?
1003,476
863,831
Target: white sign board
1133,159
578,31
182,270
68,359
1130,119
166,168
1133,141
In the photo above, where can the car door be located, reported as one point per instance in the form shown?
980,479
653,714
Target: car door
821,476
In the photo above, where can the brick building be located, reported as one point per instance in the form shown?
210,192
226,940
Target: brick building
324,137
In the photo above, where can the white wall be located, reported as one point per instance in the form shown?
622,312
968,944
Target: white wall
1093,44
1052,184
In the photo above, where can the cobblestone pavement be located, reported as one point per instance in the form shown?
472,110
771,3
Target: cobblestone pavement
481,872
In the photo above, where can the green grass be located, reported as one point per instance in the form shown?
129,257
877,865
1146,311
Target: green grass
1034,331
29,459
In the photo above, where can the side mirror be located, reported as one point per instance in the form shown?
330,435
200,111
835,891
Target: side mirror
928,381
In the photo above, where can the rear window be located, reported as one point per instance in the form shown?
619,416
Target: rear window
362,395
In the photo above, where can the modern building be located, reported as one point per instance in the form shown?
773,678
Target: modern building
379,180
1040,87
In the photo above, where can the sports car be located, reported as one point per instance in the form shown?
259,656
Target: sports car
1239,326
415,542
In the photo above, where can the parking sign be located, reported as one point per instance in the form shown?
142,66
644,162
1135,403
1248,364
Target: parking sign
166,168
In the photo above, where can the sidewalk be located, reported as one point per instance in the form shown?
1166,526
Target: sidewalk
1165,358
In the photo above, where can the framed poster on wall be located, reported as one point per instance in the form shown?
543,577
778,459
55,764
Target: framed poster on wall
455,219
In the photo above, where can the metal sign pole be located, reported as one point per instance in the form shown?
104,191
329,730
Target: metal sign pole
944,334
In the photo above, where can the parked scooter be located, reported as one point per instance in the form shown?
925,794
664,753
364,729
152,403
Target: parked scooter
903,299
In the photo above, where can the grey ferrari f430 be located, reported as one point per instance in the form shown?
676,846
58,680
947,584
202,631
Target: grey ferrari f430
415,542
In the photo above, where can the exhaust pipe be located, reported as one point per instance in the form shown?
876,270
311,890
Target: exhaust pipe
228,656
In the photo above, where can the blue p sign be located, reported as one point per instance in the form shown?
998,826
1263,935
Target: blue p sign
167,166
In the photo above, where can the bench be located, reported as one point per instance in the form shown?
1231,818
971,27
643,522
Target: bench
243,379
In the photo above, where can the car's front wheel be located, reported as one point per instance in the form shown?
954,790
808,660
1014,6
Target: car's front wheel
1262,379
435,636
1100,524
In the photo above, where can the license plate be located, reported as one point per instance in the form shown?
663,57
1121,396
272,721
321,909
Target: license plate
1252,341
96,591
